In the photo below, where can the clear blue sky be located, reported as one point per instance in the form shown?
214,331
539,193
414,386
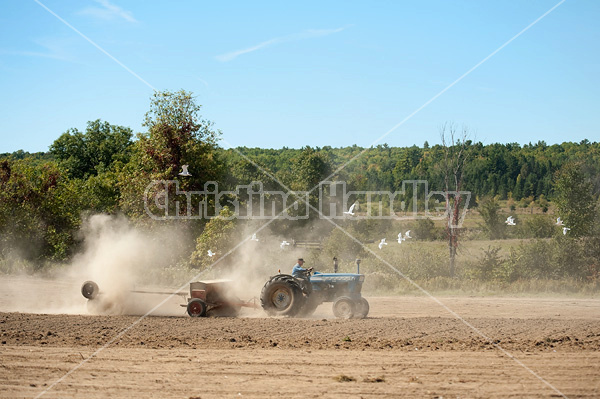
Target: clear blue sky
274,74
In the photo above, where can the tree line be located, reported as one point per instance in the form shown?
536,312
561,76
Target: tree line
503,170
44,197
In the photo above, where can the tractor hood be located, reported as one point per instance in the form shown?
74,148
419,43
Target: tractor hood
337,277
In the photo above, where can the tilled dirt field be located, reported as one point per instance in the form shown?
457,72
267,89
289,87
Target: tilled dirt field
408,347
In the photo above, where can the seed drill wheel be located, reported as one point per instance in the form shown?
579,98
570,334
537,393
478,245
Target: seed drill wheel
282,296
343,307
196,308
89,289
362,308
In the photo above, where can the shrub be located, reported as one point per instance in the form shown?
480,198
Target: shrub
425,230
537,226
488,266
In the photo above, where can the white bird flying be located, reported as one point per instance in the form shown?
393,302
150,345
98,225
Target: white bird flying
211,253
254,237
559,221
510,221
400,238
382,243
283,244
565,229
351,210
407,234
185,172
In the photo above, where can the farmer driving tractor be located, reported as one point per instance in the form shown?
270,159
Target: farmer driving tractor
303,275
299,271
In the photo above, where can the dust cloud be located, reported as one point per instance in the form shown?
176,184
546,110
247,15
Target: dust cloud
120,258
117,256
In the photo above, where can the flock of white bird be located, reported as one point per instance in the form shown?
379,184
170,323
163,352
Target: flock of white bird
383,242
400,239
510,221
253,238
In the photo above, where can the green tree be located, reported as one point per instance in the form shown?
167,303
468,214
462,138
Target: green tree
100,148
40,210
575,200
307,171
102,192
489,209
218,237
308,168
176,136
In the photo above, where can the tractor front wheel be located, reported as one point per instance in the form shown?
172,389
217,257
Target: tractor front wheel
343,308
362,308
196,308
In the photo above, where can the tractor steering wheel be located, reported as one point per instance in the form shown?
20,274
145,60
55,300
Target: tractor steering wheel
308,272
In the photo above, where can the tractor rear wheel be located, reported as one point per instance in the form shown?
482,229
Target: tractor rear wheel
362,308
343,308
196,308
281,297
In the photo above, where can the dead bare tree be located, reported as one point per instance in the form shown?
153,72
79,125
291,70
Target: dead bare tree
455,145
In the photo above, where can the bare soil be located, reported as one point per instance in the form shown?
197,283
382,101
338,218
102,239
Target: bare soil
407,347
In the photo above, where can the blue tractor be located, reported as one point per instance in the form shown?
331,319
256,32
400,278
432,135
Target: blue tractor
286,295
